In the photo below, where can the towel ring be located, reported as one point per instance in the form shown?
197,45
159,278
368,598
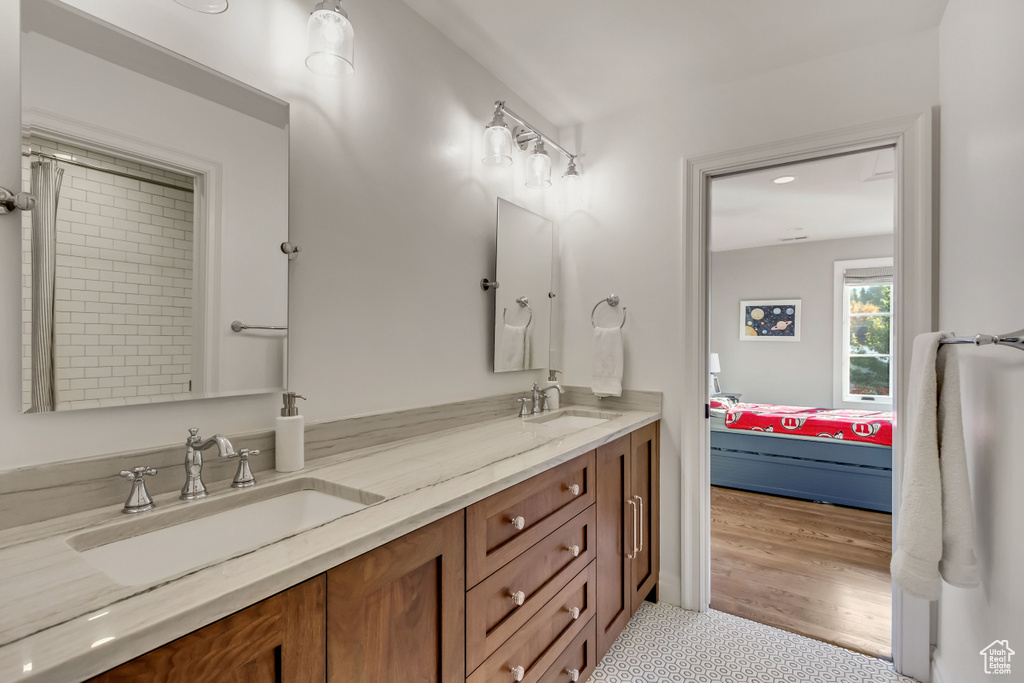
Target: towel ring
524,303
612,301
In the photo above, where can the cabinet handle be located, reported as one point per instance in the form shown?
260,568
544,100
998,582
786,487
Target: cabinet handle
574,550
519,523
641,536
573,674
517,673
574,611
518,597
631,554
574,489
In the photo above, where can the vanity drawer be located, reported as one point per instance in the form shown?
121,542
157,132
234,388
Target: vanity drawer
578,660
492,615
539,505
543,639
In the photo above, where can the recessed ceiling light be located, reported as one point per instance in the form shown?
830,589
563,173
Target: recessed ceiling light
205,6
783,179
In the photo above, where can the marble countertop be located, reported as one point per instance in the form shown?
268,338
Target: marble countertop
62,620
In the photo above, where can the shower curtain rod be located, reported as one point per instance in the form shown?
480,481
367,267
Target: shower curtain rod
94,167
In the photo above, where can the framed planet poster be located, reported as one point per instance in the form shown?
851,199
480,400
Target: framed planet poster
770,320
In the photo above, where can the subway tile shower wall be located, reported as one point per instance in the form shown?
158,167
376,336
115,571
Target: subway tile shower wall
123,310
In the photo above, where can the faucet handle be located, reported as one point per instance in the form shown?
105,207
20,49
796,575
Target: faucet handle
243,477
138,498
524,410
193,435
138,473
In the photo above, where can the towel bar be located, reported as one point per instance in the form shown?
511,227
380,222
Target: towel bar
238,326
1014,339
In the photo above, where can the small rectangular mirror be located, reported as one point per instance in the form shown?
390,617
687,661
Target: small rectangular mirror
162,190
522,302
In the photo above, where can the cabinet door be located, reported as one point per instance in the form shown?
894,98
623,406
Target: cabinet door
397,613
615,519
278,640
644,480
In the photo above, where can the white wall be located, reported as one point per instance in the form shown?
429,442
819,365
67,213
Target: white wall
629,239
790,373
981,246
388,200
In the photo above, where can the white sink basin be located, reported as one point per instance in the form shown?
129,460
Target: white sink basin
199,534
572,420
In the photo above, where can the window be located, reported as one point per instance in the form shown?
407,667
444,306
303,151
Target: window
864,331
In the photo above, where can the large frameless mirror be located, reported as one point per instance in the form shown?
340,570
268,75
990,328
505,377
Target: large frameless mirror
161,208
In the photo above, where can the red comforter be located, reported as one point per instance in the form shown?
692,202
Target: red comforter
862,426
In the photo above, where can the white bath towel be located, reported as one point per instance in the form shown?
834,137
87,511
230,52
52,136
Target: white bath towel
607,374
935,531
514,350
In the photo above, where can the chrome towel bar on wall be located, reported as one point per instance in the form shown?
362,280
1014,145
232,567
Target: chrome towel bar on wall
1012,339
239,326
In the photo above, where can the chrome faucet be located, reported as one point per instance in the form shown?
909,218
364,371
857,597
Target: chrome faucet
536,398
194,487
544,393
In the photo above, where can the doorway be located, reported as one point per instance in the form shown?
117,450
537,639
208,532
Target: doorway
913,310
801,396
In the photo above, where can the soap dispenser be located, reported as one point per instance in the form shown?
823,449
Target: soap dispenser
289,453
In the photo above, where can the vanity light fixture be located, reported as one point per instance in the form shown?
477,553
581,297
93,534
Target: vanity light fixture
331,41
205,6
783,179
498,141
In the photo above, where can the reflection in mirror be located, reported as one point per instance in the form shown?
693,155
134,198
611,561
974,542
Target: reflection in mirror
162,204
522,305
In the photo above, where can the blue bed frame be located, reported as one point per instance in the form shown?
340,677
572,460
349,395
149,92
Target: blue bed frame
827,470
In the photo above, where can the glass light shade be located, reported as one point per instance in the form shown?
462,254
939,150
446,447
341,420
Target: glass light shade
205,6
331,42
497,146
538,168
573,184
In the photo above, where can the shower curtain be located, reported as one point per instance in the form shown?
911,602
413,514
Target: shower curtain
46,180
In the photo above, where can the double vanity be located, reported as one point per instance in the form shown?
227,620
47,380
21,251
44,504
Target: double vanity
505,548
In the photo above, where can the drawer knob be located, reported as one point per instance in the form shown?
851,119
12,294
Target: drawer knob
518,597
574,611
574,550
517,673
519,523
574,489
573,674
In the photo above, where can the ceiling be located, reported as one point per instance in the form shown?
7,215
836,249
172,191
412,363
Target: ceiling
577,61
846,196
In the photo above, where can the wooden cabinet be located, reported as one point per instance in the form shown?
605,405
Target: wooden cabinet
628,524
397,613
278,640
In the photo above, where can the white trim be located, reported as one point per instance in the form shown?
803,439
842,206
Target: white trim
915,309
206,241
840,332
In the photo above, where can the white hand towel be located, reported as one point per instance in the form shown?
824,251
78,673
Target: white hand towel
514,350
607,373
935,532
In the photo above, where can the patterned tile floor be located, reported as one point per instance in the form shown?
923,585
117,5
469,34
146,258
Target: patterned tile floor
665,644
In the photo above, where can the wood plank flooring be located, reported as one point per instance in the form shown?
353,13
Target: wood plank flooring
818,570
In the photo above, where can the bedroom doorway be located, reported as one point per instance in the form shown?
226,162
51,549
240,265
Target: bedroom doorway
801,396
913,313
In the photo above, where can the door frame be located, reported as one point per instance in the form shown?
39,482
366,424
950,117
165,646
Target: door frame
915,310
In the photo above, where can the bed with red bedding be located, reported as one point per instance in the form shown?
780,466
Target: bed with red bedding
835,456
